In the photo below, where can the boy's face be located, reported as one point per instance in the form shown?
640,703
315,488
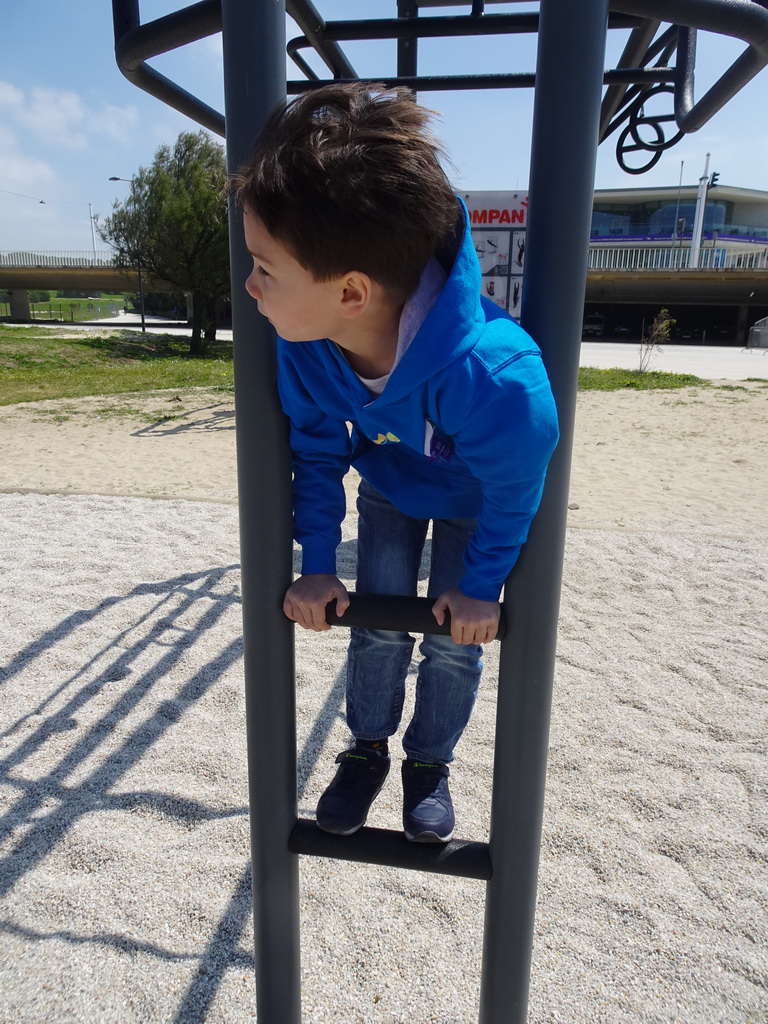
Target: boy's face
298,307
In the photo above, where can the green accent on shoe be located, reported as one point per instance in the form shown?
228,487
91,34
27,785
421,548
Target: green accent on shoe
343,807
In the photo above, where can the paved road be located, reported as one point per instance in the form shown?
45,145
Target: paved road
711,362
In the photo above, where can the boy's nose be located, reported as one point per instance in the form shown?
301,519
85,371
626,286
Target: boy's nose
252,287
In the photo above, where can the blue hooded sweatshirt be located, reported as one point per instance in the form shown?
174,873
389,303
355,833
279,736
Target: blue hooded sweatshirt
465,427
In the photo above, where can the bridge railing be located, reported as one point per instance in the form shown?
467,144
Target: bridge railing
717,258
600,258
87,258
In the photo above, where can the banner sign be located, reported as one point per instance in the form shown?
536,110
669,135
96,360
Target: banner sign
499,221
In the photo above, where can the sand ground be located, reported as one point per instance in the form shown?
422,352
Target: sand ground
123,791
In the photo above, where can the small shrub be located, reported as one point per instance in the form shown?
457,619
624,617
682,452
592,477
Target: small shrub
659,333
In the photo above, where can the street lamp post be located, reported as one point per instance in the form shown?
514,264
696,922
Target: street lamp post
681,227
138,268
698,220
677,208
93,233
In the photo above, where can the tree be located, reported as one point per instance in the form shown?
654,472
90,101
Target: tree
173,227
160,303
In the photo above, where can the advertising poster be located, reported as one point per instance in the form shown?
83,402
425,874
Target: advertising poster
499,221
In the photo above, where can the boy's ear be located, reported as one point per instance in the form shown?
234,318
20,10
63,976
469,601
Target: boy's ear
357,289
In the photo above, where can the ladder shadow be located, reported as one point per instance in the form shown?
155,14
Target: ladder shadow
202,420
80,778
224,952
157,621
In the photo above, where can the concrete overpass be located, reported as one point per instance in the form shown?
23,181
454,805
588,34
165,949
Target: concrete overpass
21,272
730,285
726,274
728,291
691,287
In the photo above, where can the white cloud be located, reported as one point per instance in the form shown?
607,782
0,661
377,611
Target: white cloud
56,116
114,121
10,97
21,173
62,118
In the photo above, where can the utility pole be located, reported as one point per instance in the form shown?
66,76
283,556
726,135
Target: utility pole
698,220
677,208
93,233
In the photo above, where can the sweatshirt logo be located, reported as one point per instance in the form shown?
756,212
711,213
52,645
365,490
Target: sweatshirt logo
440,449
388,438
437,447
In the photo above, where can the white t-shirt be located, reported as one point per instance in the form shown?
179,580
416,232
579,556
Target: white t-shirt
414,313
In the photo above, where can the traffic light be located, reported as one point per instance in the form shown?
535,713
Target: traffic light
713,179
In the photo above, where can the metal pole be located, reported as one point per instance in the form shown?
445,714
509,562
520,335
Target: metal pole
698,219
677,208
569,77
407,49
254,81
141,296
93,233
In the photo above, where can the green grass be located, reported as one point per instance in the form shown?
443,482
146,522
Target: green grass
69,310
39,363
592,379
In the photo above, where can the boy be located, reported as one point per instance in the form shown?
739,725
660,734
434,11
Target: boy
364,264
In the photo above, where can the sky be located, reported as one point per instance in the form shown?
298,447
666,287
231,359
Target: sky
69,120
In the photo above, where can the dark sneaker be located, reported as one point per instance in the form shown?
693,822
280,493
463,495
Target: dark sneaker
427,807
344,805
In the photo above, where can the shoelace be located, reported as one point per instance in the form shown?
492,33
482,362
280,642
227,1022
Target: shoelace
426,782
354,769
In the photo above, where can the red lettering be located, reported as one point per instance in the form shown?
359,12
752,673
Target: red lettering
500,216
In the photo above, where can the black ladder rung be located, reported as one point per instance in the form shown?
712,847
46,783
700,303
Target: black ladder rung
390,848
395,613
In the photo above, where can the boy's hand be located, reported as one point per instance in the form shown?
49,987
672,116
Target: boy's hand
306,598
472,621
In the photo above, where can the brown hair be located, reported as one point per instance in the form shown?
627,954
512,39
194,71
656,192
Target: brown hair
348,177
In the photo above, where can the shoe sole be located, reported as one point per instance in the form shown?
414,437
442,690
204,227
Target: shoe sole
428,837
339,832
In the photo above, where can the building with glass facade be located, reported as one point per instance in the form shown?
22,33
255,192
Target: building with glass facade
731,214
644,256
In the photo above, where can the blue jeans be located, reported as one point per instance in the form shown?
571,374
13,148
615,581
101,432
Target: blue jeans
389,550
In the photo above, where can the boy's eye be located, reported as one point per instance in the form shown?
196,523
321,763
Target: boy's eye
262,272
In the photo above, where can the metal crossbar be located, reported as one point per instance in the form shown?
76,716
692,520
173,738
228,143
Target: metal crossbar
391,849
631,85
568,119
397,614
